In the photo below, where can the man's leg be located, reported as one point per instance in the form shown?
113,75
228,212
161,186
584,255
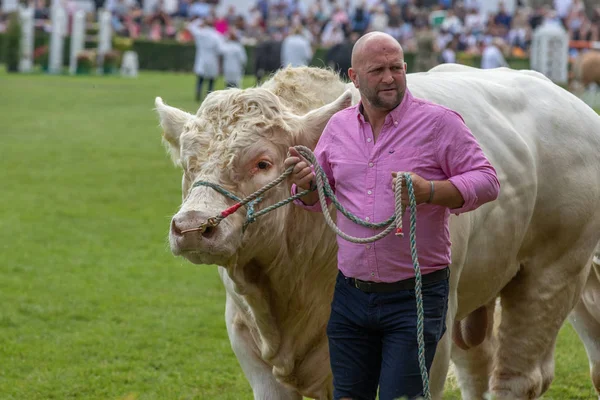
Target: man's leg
199,83
211,85
354,348
400,369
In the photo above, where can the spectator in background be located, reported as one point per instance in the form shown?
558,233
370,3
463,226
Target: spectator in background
425,48
474,23
562,8
208,47
339,15
492,56
395,22
41,10
360,18
583,31
595,24
221,23
199,9
339,56
295,49
537,17
183,8
379,19
127,18
160,22
234,60
502,19
267,57
333,34
452,23
262,6
519,35
448,55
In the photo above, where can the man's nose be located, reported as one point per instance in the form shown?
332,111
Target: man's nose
387,76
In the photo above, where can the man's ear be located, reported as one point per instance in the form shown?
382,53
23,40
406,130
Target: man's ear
353,77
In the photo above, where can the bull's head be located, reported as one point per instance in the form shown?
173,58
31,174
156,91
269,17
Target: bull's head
238,140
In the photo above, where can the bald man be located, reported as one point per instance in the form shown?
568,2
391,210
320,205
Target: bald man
372,330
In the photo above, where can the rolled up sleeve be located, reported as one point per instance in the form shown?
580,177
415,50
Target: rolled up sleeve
464,162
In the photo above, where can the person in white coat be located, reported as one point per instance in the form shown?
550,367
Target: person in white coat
234,60
208,47
295,49
492,56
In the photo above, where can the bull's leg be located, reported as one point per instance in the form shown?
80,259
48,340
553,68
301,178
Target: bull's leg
259,374
441,360
473,352
585,318
534,307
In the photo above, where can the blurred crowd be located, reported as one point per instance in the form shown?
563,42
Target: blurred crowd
447,26
458,25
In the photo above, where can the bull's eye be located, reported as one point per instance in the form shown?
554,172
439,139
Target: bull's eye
263,164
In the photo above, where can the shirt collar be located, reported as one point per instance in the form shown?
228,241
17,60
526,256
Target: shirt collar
396,114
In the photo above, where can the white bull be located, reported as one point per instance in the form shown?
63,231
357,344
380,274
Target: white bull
531,248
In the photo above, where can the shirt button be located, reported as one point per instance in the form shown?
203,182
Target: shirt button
396,123
370,164
369,192
368,246
369,140
372,273
367,219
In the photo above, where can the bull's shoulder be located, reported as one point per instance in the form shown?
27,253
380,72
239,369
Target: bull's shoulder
431,107
501,91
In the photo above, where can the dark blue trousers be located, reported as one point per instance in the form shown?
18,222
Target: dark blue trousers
373,339
200,83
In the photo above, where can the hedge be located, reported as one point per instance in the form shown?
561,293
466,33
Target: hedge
41,39
175,56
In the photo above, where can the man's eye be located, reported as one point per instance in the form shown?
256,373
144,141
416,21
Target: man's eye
263,165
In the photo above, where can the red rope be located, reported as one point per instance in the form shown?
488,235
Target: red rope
230,210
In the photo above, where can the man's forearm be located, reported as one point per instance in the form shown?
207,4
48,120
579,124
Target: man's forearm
447,195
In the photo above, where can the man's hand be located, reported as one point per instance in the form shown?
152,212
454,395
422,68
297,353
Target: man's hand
421,186
302,175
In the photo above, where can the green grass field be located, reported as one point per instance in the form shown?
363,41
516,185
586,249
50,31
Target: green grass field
92,303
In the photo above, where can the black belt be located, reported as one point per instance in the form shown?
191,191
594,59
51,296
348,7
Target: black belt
384,287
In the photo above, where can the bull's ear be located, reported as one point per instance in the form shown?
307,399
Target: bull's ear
313,123
172,121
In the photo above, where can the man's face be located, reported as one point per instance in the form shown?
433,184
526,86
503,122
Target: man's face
381,78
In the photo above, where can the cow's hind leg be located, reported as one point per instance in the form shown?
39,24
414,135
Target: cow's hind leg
534,307
259,374
473,352
585,318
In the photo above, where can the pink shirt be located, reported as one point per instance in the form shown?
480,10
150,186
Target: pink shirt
417,136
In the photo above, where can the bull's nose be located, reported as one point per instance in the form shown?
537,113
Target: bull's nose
184,228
